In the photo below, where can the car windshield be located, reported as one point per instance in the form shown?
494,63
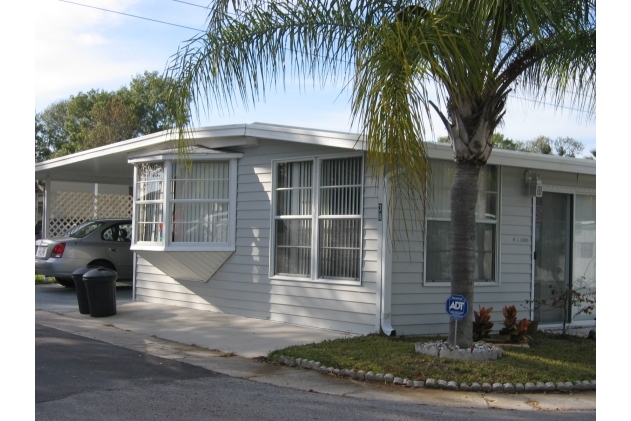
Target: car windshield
84,229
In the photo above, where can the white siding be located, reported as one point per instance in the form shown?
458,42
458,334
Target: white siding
242,286
419,309
191,266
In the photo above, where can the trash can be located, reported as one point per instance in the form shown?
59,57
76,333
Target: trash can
100,284
79,286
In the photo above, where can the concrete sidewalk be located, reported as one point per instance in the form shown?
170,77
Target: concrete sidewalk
231,345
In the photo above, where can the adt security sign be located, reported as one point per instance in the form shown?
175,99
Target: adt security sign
457,306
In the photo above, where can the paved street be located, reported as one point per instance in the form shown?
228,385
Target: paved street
78,378
152,361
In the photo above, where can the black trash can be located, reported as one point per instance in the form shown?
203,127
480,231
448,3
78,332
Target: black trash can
100,284
79,286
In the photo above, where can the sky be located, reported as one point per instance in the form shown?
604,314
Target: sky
79,48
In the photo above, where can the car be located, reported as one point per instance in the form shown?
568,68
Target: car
100,242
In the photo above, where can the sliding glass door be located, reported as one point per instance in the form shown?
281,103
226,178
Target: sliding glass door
565,254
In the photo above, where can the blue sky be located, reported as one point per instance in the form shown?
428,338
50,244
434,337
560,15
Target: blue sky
80,48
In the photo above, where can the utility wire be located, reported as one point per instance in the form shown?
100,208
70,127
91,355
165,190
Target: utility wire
201,30
550,104
133,16
192,4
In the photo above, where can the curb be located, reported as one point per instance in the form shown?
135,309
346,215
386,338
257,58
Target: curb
530,387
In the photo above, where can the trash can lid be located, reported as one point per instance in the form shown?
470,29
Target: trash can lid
99,273
83,270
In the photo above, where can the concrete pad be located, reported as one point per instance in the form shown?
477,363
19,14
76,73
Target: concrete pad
244,336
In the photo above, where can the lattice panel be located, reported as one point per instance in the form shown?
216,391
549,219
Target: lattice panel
69,209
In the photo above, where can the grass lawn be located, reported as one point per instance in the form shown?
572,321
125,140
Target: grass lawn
40,279
550,357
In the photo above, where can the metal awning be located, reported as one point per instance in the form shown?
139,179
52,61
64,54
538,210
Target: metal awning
109,164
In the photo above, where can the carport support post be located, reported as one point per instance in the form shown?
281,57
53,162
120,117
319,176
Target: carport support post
96,198
45,208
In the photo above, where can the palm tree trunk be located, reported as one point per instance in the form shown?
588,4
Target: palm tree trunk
464,196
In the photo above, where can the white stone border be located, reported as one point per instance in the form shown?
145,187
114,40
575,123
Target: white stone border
437,384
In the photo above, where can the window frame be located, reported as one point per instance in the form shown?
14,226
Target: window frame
167,202
315,219
496,238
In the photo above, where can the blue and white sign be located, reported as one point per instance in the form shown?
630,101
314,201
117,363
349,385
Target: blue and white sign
457,306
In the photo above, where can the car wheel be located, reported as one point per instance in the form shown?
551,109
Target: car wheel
68,283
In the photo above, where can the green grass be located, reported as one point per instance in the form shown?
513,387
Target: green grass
41,279
550,358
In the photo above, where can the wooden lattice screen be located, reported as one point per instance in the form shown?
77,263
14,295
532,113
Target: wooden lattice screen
69,209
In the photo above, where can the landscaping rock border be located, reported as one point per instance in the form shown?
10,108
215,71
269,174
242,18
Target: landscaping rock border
388,378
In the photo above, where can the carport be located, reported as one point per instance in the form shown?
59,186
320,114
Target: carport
97,183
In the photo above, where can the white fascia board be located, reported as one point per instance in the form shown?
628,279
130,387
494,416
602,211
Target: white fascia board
123,146
193,157
310,136
543,162
219,133
522,159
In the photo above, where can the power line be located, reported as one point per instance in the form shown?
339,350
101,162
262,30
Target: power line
201,30
547,103
133,16
192,4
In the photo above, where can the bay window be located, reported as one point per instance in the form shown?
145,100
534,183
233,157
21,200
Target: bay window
180,207
317,221
438,231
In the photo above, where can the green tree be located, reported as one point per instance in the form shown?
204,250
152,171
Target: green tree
498,140
111,120
50,132
567,146
541,144
80,120
97,117
148,94
473,52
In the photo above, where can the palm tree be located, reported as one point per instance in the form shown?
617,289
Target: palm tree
389,53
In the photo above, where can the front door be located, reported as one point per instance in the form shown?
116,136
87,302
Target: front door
553,254
565,256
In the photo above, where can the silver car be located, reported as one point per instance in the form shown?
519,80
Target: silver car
101,242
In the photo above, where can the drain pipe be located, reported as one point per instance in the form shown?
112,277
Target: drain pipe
386,263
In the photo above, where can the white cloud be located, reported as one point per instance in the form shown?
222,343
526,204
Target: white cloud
91,39
73,49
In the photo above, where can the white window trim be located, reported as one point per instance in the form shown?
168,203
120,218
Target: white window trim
167,244
313,278
498,236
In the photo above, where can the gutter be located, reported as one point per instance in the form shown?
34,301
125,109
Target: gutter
385,315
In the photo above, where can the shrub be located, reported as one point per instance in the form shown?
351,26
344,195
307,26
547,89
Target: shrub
513,331
482,324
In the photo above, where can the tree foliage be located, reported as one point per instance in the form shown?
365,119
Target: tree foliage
473,52
97,117
561,146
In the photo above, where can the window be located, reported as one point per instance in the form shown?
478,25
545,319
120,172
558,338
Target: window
149,202
182,208
438,233
199,203
317,219
118,232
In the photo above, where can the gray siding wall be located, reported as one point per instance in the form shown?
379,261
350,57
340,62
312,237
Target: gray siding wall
242,285
420,309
